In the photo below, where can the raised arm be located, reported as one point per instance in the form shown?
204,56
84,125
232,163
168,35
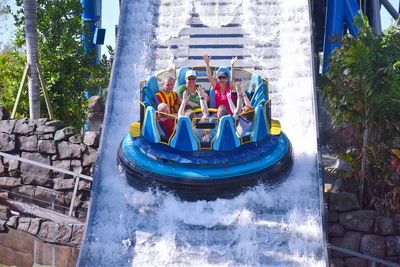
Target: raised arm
185,97
235,109
233,61
241,92
210,77
203,101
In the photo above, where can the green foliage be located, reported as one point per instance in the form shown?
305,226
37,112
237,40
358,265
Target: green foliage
67,71
363,88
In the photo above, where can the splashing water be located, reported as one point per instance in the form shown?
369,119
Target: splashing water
265,226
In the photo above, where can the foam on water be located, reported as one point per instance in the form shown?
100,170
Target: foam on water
265,226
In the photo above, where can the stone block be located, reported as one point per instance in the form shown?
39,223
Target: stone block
76,166
23,259
49,198
22,191
384,226
354,261
13,221
55,123
84,185
64,133
11,164
336,230
3,226
333,216
7,126
24,127
351,240
77,234
396,223
360,220
337,262
49,136
63,184
34,174
28,143
373,245
47,147
44,129
62,164
18,240
393,246
96,104
24,223
55,232
91,139
7,142
8,182
66,256
41,121
343,202
34,226
68,151
7,256
89,157
4,212
76,139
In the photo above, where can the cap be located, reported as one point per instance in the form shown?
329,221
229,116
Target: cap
222,74
190,73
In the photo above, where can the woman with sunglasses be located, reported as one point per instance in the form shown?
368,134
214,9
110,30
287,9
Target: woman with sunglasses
221,86
191,87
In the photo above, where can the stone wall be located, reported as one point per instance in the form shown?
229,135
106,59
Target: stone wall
363,231
49,142
19,248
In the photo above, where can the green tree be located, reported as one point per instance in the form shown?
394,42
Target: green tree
363,88
67,71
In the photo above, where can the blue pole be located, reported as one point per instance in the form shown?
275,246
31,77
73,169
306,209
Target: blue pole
90,20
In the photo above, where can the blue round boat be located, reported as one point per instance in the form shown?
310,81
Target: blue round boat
193,169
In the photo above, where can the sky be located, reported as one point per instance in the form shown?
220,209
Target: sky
110,19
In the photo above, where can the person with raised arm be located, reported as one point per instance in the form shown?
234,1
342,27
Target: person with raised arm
222,86
244,114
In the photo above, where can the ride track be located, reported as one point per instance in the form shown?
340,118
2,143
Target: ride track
265,226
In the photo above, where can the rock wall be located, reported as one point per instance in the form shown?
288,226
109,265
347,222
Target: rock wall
363,231
49,142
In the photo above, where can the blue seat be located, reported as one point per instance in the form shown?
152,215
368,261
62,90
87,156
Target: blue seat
261,128
255,79
180,78
149,91
260,95
226,138
150,129
184,138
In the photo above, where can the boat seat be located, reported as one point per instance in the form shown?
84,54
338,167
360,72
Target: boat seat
226,138
149,91
150,129
261,128
260,95
255,79
184,138
180,78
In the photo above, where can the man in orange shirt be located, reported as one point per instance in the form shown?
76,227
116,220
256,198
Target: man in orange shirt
168,96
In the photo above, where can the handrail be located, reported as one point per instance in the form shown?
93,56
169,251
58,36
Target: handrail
364,256
46,166
77,176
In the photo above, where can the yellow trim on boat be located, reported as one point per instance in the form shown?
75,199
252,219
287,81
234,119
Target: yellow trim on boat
134,129
275,127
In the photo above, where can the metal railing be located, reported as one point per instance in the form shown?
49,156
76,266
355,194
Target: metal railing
373,260
77,176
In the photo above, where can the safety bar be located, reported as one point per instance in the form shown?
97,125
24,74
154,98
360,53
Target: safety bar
373,260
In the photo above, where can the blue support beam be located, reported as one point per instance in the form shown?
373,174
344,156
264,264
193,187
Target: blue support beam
338,13
91,17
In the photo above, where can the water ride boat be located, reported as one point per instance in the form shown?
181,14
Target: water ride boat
222,166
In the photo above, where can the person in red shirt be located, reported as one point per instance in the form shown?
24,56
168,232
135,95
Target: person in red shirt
221,86
168,96
166,122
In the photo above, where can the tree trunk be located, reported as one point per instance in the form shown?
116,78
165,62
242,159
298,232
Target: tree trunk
32,58
364,159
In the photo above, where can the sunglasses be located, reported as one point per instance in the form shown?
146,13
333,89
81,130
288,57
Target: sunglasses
222,77
191,78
